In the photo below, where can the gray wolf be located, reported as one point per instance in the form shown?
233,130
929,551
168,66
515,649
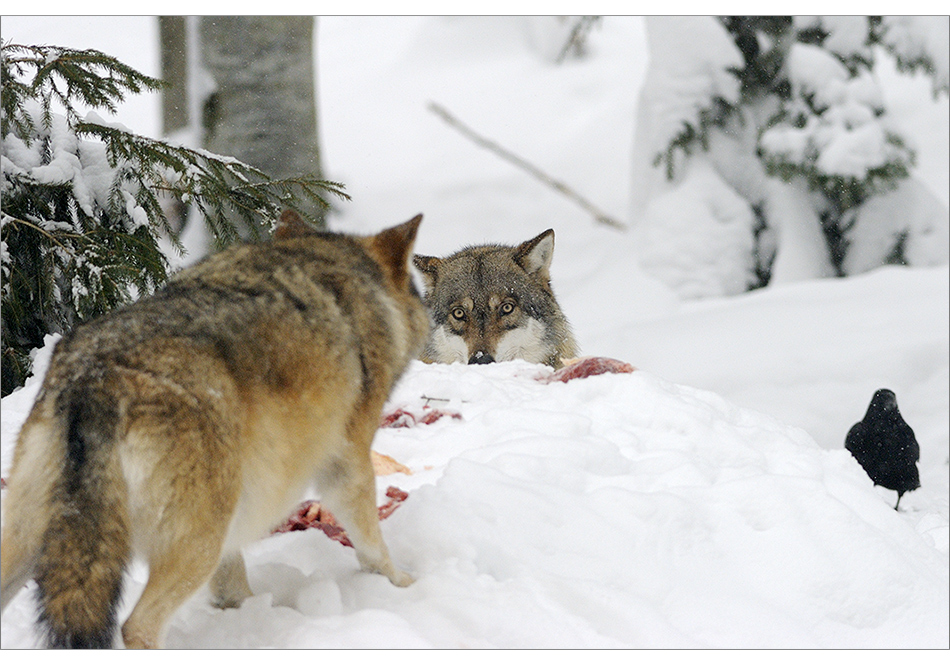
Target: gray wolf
495,303
189,423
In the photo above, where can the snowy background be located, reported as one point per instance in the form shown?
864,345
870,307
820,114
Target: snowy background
705,500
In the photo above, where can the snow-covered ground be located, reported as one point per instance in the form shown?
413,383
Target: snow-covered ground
704,500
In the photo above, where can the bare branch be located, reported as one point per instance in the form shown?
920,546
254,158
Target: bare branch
519,162
577,37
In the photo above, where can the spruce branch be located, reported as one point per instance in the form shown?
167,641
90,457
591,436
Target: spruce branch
81,211
214,184
67,76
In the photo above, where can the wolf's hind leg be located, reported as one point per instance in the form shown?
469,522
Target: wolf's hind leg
20,548
18,563
200,483
27,507
229,584
174,576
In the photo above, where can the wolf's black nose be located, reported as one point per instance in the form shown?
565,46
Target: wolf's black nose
481,358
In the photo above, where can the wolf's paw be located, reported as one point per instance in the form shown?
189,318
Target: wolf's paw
228,602
379,563
400,578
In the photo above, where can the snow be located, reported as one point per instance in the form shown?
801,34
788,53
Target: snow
705,500
64,160
851,152
715,233
803,251
693,232
847,140
917,37
846,34
689,57
691,69
814,70
910,206
70,159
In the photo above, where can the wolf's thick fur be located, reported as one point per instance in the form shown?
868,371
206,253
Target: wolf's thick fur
188,423
495,303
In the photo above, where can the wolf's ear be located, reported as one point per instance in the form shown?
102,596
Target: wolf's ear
392,248
291,225
536,254
429,267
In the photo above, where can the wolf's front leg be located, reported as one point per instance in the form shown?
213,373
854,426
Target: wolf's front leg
350,494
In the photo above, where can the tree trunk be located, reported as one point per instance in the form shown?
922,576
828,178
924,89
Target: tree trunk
263,110
174,56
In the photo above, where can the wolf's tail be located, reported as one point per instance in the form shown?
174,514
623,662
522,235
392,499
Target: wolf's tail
87,544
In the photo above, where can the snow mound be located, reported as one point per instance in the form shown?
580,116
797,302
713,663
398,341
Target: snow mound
617,510
646,514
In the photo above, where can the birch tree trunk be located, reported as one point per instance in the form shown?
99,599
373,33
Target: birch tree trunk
174,55
263,110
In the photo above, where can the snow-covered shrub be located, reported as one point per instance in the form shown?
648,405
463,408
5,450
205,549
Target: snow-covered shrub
701,210
919,43
789,113
81,216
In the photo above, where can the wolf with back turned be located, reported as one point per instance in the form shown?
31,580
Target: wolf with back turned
189,423
495,303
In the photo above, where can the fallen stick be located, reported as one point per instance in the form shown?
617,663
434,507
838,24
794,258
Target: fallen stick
507,155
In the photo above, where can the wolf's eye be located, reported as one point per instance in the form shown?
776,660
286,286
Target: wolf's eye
458,313
507,307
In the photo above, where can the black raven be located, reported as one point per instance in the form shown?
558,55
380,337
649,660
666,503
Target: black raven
885,445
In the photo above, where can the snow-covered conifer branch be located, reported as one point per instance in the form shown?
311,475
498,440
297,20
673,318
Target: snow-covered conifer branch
82,198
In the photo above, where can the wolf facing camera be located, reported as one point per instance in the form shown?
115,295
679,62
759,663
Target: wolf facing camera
495,303
189,423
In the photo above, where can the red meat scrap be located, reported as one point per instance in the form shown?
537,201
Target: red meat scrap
310,515
403,418
396,497
588,367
